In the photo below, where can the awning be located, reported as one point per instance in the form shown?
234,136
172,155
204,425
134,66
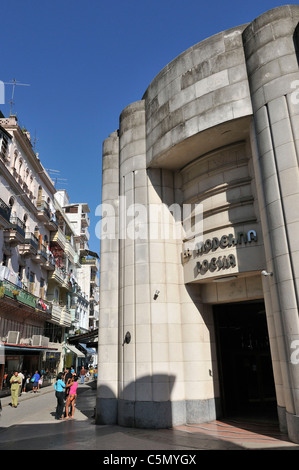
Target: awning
13,347
74,350
88,350
92,253
89,335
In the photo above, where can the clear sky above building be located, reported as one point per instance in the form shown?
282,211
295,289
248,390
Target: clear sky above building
86,61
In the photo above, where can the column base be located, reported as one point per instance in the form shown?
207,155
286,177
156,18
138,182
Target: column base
293,427
106,411
156,415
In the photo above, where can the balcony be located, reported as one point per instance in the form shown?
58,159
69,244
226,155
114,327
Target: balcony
66,318
70,251
45,216
41,256
43,211
60,276
49,262
58,238
94,281
84,234
93,262
85,222
4,215
61,315
24,297
15,234
56,312
29,247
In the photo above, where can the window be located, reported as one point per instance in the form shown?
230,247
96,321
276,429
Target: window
16,154
31,282
25,218
42,288
40,194
71,210
4,148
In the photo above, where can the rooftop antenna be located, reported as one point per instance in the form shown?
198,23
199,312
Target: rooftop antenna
55,176
59,179
14,83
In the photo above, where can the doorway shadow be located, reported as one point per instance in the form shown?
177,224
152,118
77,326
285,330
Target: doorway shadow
245,366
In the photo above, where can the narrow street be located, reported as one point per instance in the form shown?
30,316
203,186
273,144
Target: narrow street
32,426
40,407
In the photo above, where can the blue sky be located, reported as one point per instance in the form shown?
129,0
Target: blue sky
86,61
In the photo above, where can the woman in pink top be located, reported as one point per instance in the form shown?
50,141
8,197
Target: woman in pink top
70,402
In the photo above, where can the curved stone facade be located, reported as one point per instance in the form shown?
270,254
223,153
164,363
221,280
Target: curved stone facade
217,130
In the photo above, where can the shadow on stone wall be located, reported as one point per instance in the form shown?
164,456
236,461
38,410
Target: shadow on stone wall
138,413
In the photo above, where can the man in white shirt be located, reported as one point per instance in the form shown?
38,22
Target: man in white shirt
22,377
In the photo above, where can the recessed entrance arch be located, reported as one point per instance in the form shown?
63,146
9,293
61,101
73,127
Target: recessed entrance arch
244,360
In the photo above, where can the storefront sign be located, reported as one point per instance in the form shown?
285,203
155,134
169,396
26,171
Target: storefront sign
226,240
221,262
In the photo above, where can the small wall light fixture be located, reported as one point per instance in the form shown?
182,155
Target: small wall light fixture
127,337
265,273
156,294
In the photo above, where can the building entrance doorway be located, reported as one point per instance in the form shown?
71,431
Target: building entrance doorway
244,360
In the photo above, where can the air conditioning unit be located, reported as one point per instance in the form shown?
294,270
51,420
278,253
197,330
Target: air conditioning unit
37,340
26,341
13,337
45,341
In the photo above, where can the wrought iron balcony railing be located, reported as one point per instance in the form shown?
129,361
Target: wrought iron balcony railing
17,225
17,292
5,210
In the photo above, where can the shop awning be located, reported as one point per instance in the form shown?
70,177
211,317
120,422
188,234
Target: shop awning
88,350
92,253
93,334
13,347
74,350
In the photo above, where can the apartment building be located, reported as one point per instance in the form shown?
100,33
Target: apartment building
41,299
27,329
86,289
77,214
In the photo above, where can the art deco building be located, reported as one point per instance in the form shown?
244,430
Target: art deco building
192,329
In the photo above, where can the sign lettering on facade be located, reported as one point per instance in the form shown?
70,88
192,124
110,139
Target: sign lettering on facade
213,244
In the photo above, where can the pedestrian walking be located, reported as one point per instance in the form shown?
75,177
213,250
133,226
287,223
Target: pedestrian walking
26,387
24,382
40,382
15,383
22,377
82,375
35,380
59,393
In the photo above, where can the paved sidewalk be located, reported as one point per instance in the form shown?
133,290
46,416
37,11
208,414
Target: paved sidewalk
39,430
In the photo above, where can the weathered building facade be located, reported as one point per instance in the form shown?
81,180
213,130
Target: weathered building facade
192,329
